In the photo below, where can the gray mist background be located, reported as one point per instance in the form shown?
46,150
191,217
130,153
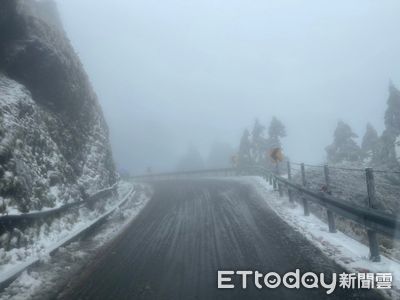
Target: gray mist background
170,73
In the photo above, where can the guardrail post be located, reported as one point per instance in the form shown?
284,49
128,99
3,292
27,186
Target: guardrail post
277,183
331,217
303,180
372,237
280,189
289,174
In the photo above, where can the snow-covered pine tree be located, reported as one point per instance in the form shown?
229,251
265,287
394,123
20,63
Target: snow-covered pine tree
276,131
392,114
244,157
343,148
258,142
369,143
389,144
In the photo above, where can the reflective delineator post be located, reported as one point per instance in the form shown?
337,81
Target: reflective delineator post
303,180
372,236
331,217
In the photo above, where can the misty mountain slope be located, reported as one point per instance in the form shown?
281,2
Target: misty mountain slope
54,145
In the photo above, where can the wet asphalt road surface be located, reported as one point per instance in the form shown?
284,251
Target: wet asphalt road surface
188,231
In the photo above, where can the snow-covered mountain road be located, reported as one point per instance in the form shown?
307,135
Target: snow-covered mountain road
188,231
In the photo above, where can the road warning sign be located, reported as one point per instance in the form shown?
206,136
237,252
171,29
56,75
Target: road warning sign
276,155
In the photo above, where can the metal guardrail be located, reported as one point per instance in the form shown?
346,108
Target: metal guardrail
10,221
379,221
180,174
14,226
373,220
8,278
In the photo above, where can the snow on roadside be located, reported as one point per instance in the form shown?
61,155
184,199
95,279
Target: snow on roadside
42,280
122,217
52,235
347,252
29,282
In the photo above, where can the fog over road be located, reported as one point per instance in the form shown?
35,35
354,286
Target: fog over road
188,231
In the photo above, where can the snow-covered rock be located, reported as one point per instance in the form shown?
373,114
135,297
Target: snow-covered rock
54,146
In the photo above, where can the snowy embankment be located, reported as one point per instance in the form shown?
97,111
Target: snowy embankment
35,175
62,232
347,252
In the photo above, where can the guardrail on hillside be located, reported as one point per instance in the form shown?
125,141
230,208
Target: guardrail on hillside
373,220
7,278
15,224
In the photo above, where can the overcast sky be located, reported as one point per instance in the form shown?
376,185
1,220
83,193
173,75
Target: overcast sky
173,72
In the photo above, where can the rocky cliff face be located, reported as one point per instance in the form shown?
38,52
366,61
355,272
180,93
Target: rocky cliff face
54,145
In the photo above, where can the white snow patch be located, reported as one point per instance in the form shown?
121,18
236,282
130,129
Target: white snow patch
53,236
29,282
29,285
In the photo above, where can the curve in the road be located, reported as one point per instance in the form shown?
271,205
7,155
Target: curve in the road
188,231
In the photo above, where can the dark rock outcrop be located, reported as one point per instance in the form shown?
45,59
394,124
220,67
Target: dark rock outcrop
54,145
